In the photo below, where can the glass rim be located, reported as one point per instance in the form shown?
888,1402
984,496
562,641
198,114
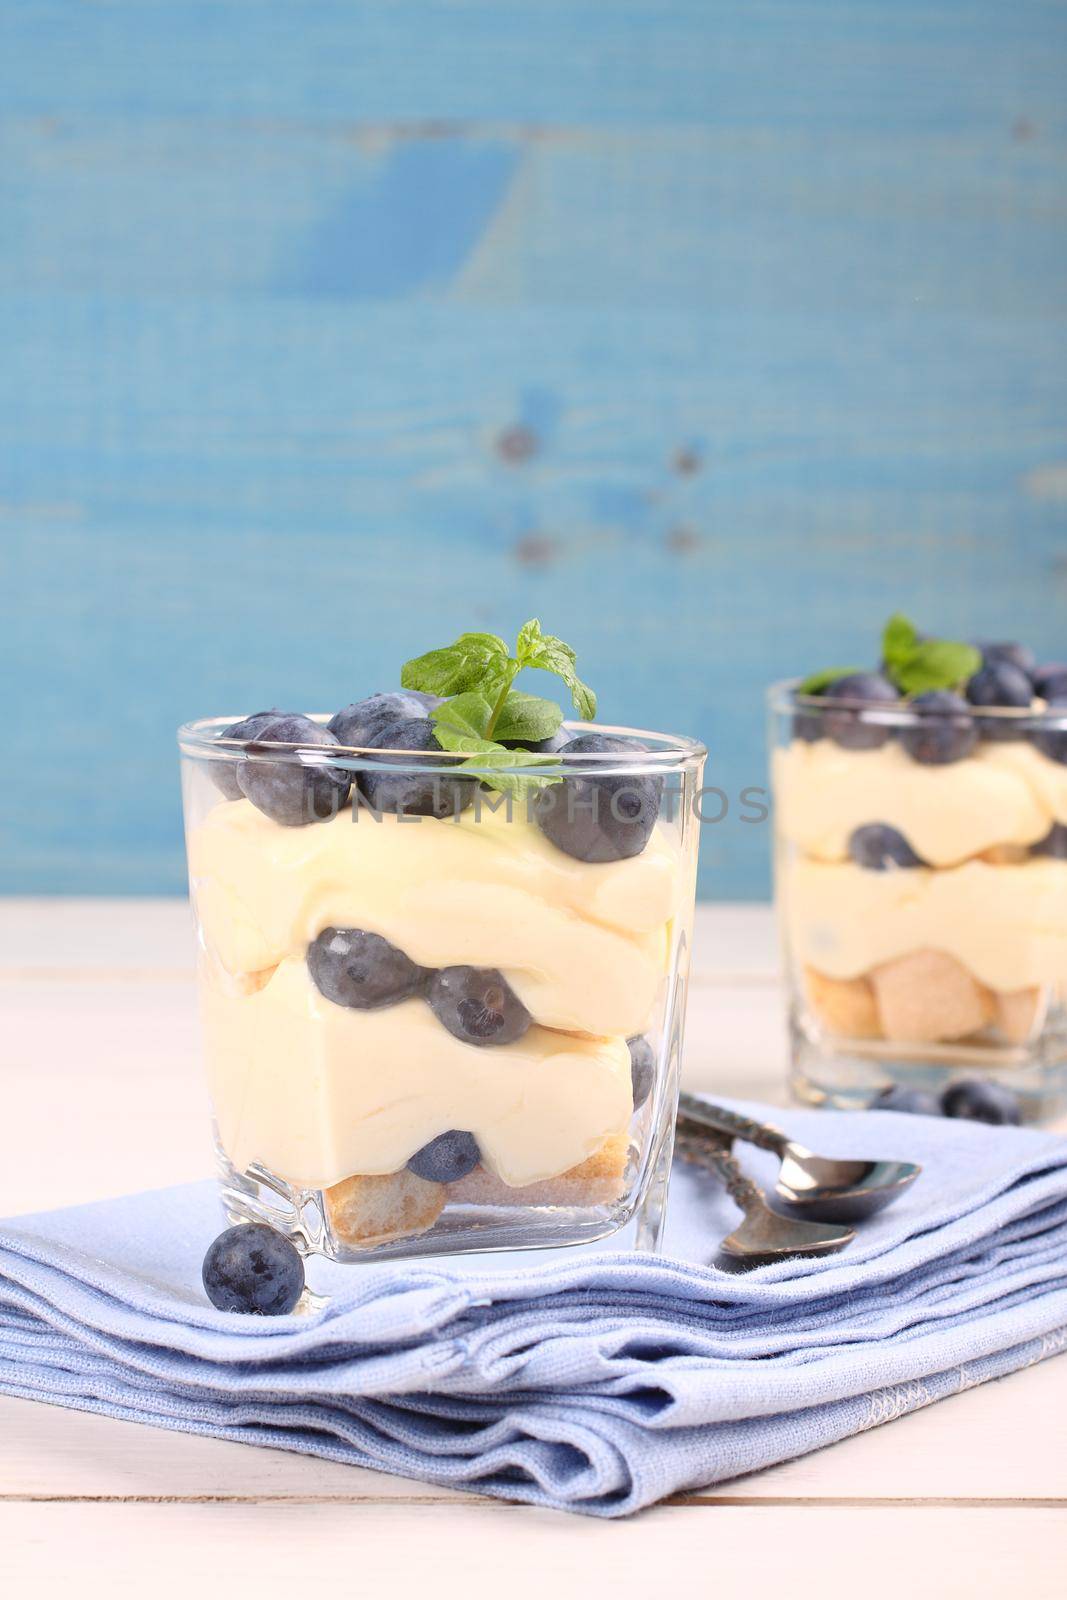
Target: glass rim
782,696
677,751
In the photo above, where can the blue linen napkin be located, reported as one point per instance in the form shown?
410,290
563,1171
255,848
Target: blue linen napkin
596,1380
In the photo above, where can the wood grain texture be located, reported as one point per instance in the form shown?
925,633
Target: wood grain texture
710,333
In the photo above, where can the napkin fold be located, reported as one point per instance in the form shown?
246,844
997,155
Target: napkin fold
596,1380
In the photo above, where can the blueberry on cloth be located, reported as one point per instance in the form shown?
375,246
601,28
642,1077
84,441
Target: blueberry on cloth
642,1068
477,1005
361,970
298,790
360,723
915,1102
878,847
254,1269
594,816
852,729
978,1101
945,730
447,1158
415,794
224,773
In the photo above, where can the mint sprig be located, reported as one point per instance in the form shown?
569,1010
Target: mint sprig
475,674
917,665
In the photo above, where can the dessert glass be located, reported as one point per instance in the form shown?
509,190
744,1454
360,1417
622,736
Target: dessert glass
319,1106
938,950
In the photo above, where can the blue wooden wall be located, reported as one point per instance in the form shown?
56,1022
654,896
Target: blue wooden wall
707,331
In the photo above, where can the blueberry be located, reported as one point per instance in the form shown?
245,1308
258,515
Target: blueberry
224,773
878,847
447,1158
642,1068
254,1269
999,683
361,970
1017,655
852,729
594,816
294,792
360,723
916,1102
478,1005
943,731
807,724
549,746
1054,843
416,794
979,1101
1050,680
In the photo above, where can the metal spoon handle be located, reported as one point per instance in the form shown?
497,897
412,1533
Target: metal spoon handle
707,1151
733,1123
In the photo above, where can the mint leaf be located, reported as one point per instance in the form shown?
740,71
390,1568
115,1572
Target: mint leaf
465,717
474,661
487,753
899,639
527,717
936,664
816,682
544,650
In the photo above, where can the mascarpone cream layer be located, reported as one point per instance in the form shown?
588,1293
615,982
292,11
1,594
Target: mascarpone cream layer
585,947
1007,924
317,1092
1003,794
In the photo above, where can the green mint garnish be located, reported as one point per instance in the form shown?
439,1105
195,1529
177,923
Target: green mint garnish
475,674
817,682
917,665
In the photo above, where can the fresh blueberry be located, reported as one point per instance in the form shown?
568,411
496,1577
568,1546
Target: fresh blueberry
594,816
916,1102
943,731
979,1101
549,746
447,1158
1050,680
853,729
807,724
642,1068
254,1269
224,773
360,723
295,791
999,683
1018,655
361,970
415,794
1054,843
478,1005
878,847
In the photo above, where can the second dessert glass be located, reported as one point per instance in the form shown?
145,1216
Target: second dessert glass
441,1032
921,881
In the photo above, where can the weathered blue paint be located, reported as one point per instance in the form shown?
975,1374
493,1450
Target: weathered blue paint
710,333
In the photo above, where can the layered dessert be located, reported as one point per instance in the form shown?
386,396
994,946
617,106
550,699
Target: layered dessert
921,816
434,965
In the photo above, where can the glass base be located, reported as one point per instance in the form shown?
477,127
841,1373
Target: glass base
258,1195
848,1073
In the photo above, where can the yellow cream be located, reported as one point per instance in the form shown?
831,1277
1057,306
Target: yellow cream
1003,794
317,1092
1006,924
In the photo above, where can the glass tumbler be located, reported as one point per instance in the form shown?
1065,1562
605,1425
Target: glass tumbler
921,885
442,1000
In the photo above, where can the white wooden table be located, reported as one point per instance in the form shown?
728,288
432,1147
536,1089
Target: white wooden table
99,1036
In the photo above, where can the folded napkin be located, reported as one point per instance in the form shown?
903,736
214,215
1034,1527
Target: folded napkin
594,1380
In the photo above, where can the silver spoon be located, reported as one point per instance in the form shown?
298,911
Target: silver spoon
763,1235
829,1188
